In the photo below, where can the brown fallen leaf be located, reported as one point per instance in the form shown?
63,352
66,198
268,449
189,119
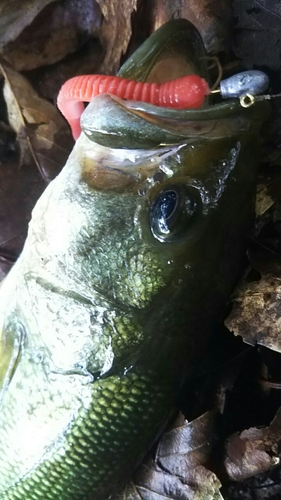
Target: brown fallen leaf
116,31
43,134
266,486
256,313
268,188
58,30
177,472
264,200
15,16
254,450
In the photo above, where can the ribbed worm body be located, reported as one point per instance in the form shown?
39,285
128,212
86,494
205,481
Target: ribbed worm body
186,92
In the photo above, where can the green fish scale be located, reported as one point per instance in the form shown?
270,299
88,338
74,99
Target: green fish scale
122,406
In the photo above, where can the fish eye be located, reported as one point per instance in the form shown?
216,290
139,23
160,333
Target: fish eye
173,211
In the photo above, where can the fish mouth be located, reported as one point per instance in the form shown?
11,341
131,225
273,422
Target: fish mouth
118,169
173,51
135,132
131,160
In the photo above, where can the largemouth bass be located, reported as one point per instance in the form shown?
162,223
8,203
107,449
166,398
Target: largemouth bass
131,254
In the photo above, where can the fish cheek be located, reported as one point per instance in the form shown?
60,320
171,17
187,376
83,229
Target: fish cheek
206,260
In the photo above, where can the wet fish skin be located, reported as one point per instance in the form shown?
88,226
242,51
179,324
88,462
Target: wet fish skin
98,329
99,317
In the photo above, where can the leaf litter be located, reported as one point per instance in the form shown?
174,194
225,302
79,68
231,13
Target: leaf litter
177,469
41,130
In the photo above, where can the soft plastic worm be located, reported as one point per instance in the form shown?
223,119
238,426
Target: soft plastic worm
186,92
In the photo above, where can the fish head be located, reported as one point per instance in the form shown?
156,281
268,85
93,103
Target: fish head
137,243
150,238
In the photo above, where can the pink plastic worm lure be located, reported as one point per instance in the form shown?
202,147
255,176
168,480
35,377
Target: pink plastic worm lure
186,92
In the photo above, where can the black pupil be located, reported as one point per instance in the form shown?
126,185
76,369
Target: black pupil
166,206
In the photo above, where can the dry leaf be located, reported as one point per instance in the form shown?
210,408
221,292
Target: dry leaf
256,313
42,132
256,310
268,189
177,472
263,200
116,31
61,28
15,16
254,450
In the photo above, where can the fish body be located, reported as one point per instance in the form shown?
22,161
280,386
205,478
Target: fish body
130,258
